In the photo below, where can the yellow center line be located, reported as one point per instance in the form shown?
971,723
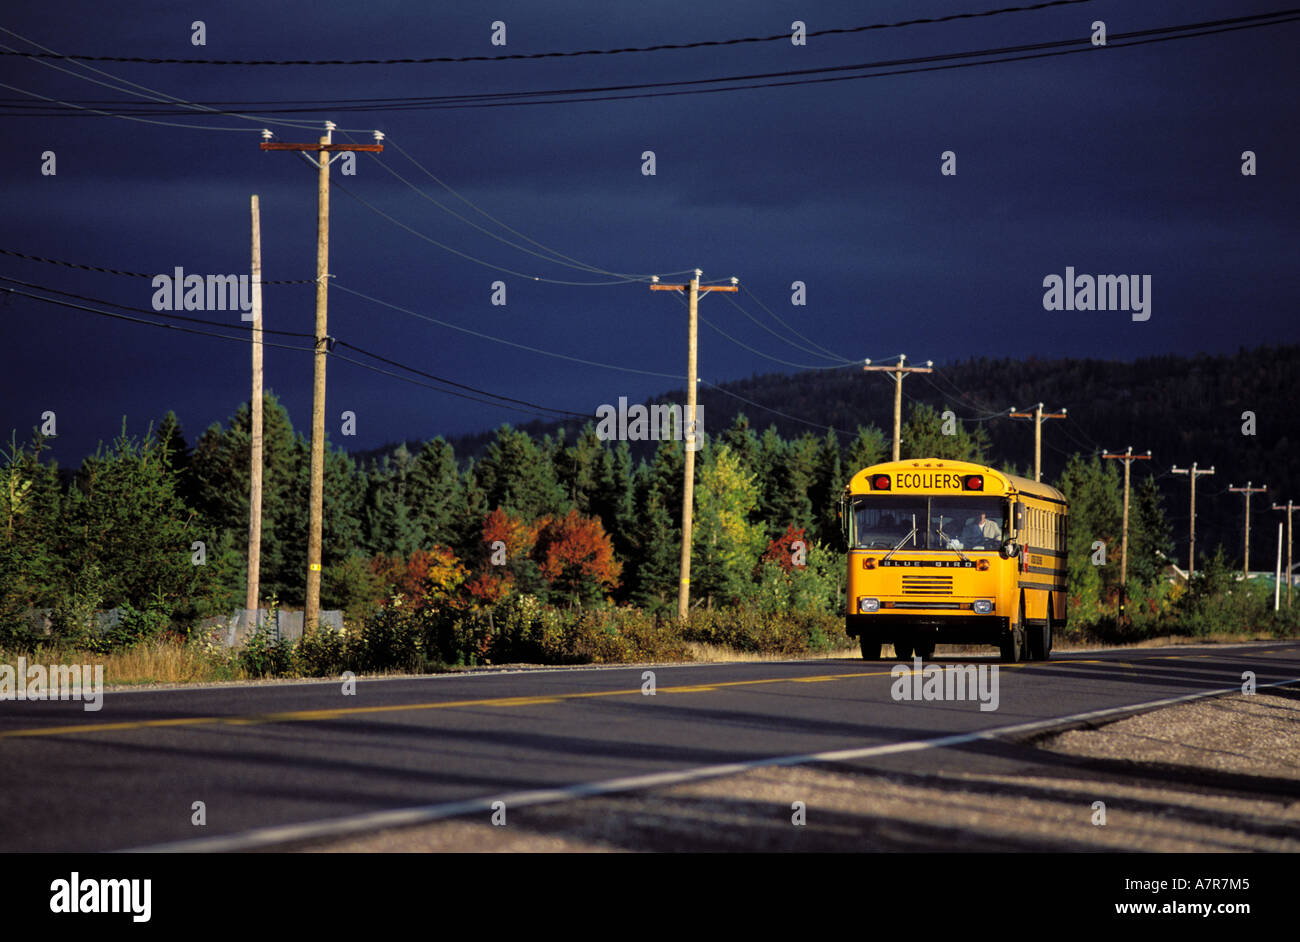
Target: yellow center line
299,716
303,716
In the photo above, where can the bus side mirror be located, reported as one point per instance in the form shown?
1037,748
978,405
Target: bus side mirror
1017,518
1009,550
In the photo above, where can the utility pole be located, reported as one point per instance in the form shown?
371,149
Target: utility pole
899,371
688,489
1128,458
1247,490
1277,580
255,437
1038,415
323,148
1288,507
1192,472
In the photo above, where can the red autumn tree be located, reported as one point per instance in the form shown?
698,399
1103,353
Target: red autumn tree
576,556
505,561
784,552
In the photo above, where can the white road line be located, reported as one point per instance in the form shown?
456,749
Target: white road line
379,820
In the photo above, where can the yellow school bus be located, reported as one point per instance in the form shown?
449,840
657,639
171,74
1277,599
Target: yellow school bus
951,552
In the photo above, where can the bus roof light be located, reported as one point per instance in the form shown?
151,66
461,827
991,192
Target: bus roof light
972,482
880,482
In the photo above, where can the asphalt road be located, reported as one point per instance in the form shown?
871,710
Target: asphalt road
269,756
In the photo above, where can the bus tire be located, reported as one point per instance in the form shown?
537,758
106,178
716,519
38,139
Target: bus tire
870,649
903,650
1013,642
1013,645
1047,631
1034,639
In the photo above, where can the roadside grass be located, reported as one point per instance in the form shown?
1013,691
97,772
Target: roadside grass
172,662
153,662
722,654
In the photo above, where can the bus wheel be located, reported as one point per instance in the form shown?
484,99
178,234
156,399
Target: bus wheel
870,649
1047,633
903,650
924,649
1013,645
1034,638
1038,638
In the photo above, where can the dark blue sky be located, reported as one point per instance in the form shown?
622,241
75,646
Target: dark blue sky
1112,161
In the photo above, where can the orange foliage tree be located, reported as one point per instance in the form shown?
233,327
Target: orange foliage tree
576,557
428,579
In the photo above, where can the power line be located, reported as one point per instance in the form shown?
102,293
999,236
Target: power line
1081,46
765,356
559,257
660,47
1001,55
167,314
745,346
825,356
784,415
982,415
485,214
449,382
531,407
146,92
509,343
140,320
118,271
774,316
111,114
470,258
549,412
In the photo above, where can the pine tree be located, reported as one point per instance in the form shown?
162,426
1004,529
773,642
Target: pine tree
517,474
923,437
436,493
578,469
1096,510
388,523
742,441
868,448
218,482
614,500
828,483
654,558
1151,541
125,520
31,538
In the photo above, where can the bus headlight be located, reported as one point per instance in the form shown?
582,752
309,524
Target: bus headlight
868,605
982,606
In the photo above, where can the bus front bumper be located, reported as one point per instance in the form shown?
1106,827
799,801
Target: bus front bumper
887,627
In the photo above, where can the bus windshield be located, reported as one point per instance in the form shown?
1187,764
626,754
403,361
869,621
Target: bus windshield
940,523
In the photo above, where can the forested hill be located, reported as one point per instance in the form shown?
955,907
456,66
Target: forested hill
1183,409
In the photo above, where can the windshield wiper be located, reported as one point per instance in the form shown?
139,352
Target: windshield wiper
900,543
943,536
